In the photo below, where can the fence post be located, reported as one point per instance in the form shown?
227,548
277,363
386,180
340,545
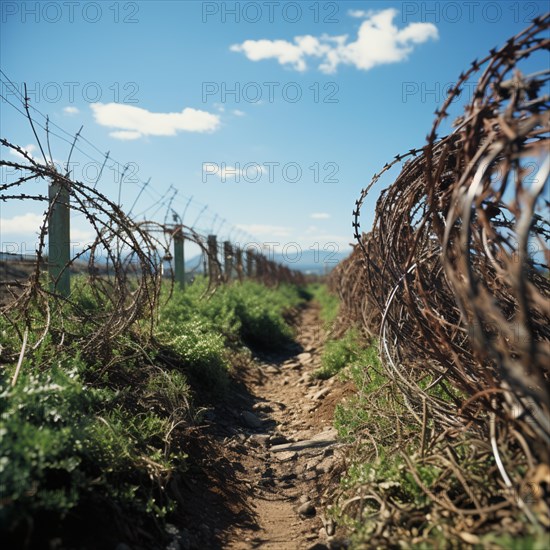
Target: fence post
260,266
212,257
228,260
249,263
59,238
179,258
239,263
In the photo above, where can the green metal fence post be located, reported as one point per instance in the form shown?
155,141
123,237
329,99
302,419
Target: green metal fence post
59,238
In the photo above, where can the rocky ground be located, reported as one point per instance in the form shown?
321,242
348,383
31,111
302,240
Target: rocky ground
267,460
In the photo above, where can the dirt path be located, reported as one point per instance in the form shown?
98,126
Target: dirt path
273,455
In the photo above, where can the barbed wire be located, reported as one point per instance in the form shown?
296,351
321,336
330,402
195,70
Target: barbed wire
45,124
453,279
125,260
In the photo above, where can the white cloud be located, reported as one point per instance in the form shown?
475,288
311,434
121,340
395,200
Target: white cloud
134,122
283,51
359,14
30,149
320,216
81,236
126,135
71,110
378,42
269,230
30,223
236,112
24,223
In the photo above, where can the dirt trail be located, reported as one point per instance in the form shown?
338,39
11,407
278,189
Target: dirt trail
273,455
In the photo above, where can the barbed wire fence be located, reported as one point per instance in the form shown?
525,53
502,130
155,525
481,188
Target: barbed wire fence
129,255
453,281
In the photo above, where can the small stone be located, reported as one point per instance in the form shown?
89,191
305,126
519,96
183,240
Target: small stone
259,440
262,406
278,439
469,538
304,357
325,465
287,456
321,393
271,369
303,499
312,464
251,420
307,509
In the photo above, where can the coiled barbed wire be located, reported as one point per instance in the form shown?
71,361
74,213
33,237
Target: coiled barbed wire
453,277
124,260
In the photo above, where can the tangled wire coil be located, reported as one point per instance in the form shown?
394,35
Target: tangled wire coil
453,276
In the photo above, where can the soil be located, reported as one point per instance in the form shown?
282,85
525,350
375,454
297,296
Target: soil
267,460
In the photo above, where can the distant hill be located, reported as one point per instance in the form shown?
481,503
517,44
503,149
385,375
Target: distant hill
310,261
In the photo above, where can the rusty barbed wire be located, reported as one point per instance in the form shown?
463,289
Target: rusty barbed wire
453,279
123,265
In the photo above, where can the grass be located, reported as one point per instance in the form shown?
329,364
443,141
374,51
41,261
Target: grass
328,302
84,437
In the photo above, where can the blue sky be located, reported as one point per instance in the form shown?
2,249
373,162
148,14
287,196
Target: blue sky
151,83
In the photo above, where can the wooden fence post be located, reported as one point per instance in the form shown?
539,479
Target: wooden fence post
179,258
213,272
239,263
260,266
59,238
249,263
228,260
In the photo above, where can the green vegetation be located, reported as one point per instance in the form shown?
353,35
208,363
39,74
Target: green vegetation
80,436
250,312
349,351
328,302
